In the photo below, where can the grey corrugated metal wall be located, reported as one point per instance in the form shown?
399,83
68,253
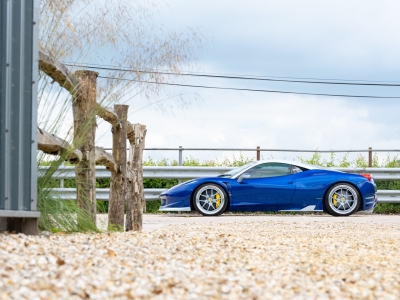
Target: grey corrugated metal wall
18,108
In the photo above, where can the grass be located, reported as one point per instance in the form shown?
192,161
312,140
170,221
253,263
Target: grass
58,215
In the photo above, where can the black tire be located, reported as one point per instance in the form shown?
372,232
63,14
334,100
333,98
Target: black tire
342,200
210,199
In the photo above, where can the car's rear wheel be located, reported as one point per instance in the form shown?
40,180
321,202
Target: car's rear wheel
210,199
342,199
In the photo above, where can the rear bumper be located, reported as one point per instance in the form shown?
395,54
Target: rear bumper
370,202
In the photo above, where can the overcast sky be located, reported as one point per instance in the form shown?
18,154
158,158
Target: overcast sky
347,40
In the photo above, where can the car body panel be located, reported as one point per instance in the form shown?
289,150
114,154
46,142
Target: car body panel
262,194
302,191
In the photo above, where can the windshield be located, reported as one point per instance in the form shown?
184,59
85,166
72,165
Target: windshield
237,170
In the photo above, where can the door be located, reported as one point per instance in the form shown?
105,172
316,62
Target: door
269,188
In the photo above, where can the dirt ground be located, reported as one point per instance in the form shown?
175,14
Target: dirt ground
155,221
194,257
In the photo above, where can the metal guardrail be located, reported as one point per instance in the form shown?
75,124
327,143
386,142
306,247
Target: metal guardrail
148,172
268,150
377,173
258,151
153,194
385,196
179,172
101,194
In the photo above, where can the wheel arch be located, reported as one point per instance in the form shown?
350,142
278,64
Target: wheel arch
347,182
192,208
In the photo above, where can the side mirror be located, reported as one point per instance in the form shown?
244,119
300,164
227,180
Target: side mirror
243,176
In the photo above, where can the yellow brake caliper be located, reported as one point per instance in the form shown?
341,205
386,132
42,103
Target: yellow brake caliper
335,199
218,201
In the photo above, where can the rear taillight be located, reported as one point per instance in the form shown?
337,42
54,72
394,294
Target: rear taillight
368,176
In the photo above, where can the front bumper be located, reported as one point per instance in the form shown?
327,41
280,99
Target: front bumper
174,203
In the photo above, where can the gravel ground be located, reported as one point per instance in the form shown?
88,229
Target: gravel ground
270,259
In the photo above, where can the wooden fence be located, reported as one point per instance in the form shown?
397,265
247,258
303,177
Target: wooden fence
126,183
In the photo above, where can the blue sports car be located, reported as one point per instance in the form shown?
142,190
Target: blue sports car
274,185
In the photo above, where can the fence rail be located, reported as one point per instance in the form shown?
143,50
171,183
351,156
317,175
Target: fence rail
384,196
182,172
101,194
258,151
268,150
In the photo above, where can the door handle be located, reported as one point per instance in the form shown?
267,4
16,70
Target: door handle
291,182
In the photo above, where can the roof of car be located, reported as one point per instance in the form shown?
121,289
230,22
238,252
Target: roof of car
290,162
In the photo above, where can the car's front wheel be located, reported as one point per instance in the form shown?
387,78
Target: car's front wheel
342,199
210,199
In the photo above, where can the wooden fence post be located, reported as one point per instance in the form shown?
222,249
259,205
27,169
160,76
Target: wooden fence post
83,107
118,178
370,157
136,203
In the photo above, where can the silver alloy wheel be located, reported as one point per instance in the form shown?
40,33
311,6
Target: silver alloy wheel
343,199
210,199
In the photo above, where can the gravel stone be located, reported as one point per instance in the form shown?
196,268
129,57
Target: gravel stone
232,260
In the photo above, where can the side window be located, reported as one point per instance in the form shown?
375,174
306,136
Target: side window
296,170
269,170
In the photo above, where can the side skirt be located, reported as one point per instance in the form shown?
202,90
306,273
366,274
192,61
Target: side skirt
310,208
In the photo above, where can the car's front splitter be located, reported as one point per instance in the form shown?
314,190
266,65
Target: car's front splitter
163,208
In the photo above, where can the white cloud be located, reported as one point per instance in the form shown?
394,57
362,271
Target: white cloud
326,39
230,120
